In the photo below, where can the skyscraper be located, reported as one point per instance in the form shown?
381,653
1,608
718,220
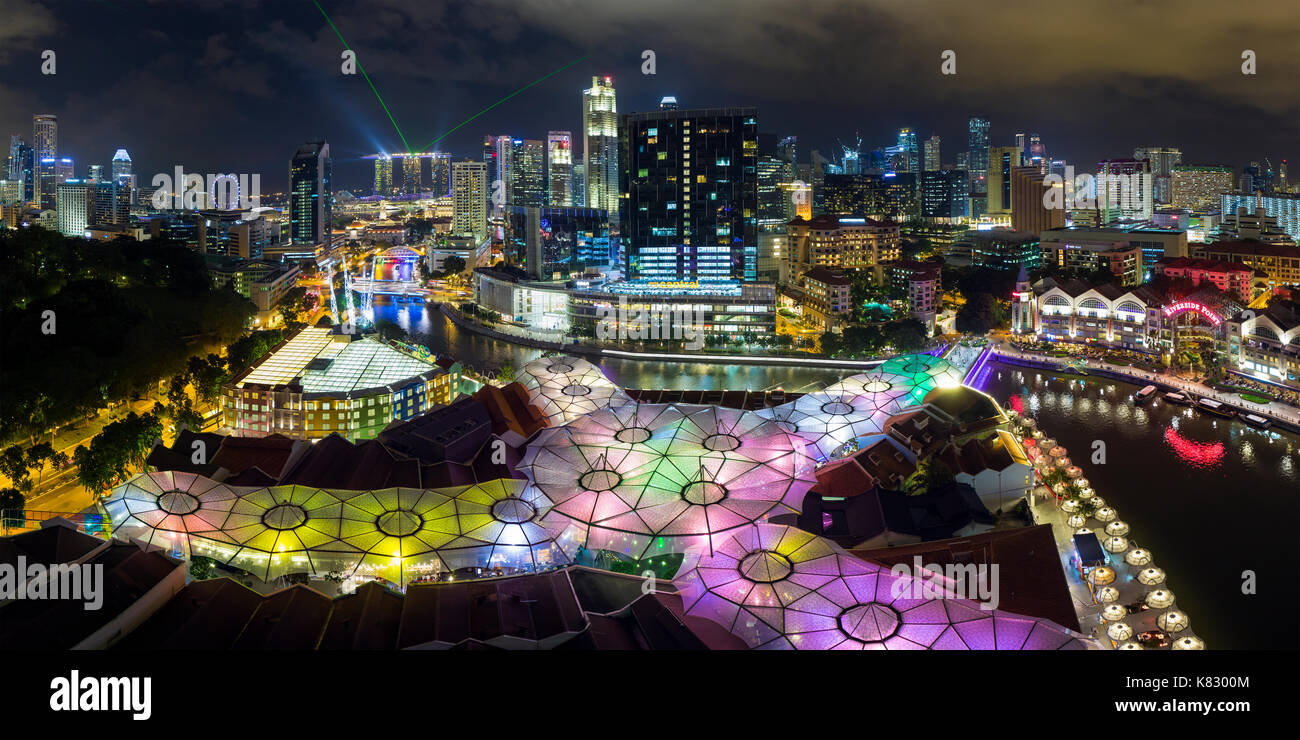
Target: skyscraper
528,182
123,174
907,145
932,158
979,154
311,199
469,199
1199,188
21,167
1163,160
440,172
943,194
499,155
559,168
412,175
1002,159
691,206
579,197
600,140
1124,190
45,135
76,204
383,175
771,198
45,181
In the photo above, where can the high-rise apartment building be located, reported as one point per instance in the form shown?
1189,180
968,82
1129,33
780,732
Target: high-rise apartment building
933,162
1198,188
1163,160
469,195
311,199
690,179
559,168
600,145
1124,190
76,203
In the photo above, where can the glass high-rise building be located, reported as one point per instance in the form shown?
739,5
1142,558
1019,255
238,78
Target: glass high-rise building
579,197
600,145
440,174
978,129
310,195
499,156
528,183
123,174
45,135
690,184
559,168
771,198
911,160
412,175
933,162
383,175
1163,160
469,194
943,194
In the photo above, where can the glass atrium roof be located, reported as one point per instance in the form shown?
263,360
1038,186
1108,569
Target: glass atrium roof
664,476
394,533
778,587
565,388
329,366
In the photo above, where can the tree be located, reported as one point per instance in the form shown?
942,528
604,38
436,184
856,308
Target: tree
907,335
453,265
831,343
389,329
931,475
507,373
12,504
981,313
14,464
37,455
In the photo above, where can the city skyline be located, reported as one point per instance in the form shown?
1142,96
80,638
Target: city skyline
1212,116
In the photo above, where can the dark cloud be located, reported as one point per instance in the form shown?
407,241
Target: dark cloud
236,85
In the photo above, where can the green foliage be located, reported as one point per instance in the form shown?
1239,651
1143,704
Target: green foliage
243,352
14,464
125,313
931,475
389,329
981,314
202,568
13,503
116,449
507,373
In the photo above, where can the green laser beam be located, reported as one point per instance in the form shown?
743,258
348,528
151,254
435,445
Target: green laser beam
366,76
499,102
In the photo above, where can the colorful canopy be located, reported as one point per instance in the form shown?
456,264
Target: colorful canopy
665,476
393,533
829,420
778,587
565,388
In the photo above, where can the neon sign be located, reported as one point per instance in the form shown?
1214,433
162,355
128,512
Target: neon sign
1183,306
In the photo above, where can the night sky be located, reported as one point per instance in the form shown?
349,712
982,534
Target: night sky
235,85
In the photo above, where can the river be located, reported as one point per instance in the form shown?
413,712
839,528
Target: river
1213,499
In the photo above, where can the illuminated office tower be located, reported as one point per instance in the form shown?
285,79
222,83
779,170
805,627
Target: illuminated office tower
469,196
579,185
311,201
1037,153
1124,190
1163,161
943,194
123,174
559,168
94,172
45,182
978,129
383,175
911,160
1198,188
64,170
600,145
933,162
412,177
499,155
111,203
690,185
1282,178
440,174
771,198
76,203
528,181
45,136
1024,148
1002,159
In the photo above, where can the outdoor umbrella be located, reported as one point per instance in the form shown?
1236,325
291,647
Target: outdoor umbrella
1048,443
1062,462
1113,612
1082,483
1115,544
1117,528
1161,598
1101,575
1172,621
1119,631
1138,556
1073,471
1075,521
1070,506
1128,646
1083,530
1086,494
1188,643
1151,576
1104,514
1107,594
1056,451
1098,501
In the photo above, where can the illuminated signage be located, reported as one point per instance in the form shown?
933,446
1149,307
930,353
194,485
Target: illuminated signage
1183,306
